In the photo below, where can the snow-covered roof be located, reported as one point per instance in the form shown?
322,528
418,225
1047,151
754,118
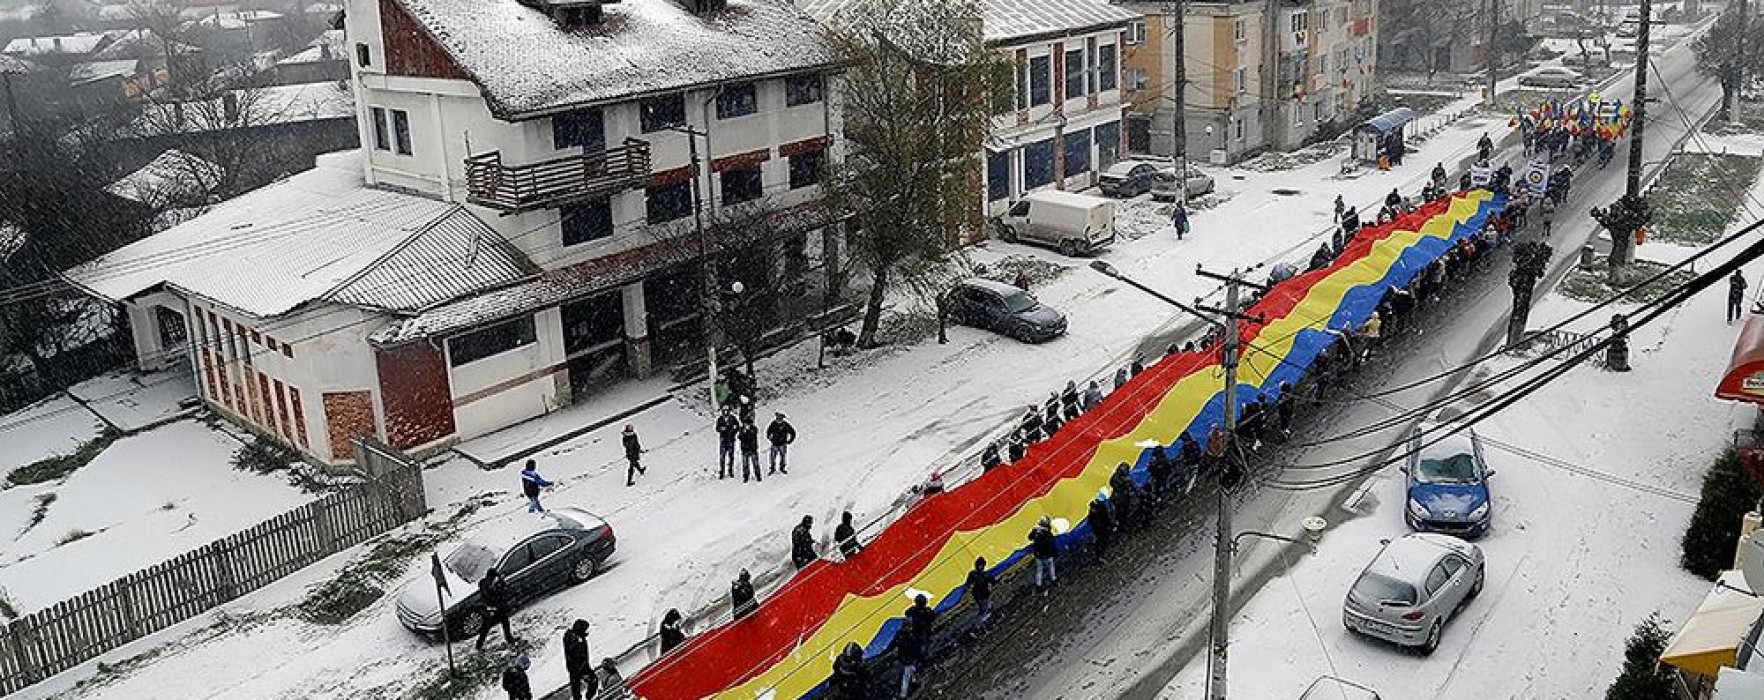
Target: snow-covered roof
83,73
262,106
73,44
316,49
14,66
239,19
527,65
321,235
139,43
173,176
323,8
1007,21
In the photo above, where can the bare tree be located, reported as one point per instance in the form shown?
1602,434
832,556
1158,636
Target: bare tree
1730,50
919,94
163,20
216,121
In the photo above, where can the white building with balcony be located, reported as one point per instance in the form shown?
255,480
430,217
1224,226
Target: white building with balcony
520,228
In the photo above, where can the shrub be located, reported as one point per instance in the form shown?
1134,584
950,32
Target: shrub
1710,540
264,456
59,466
1643,676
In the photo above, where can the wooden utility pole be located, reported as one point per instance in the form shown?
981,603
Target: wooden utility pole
1173,12
1623,242
1491,54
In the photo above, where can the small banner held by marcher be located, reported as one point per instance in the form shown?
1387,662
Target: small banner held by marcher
1537,176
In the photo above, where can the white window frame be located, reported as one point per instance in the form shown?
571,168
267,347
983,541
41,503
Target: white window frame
1135,33
1239,30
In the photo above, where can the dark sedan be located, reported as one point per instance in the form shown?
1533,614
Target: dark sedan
1128,178
567,547
1004,309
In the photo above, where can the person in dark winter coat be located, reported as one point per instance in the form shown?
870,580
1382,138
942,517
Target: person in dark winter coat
780,433
1069,401
727,428
531,482
1188,451
1123,496
989,458
1045,549
1464,182
1138,366
1102,525
671,633
612,684
802,542
1320,259
1179,219
851,676
578,663
846,536
1484,147
1340,208
493,594
741,603
1051,413
1092,395
1032,424
980,583
633,454
1439,175
1249,423
1736,296
749,440
1120,377
1283,409
1017,448
514,679
1393,200
915,640
1162,470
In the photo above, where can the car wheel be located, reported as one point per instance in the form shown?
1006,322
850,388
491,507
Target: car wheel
1476,588
471,623
1004,232
1069,248
1432,643
585,569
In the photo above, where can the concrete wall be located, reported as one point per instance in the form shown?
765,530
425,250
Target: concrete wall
510,387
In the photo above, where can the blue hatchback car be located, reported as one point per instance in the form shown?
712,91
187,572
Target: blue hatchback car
1447,484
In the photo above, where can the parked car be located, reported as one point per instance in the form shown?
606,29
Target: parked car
1002,308
567,546
1076,224
1447,484
1128,178
1414,585
1551,76
1164,186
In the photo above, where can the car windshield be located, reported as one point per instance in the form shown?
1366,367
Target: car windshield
1019,302
1456,469
470,561
1379,588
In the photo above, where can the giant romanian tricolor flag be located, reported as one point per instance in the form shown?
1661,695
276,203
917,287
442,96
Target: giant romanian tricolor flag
786,649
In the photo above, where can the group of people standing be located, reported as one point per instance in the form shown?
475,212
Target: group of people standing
738,431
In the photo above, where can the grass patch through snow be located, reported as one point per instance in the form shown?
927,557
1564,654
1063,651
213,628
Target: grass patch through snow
363,580
59,466
1693,200
476,671
1594,286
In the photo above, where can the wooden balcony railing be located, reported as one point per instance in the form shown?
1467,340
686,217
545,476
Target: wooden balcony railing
513,189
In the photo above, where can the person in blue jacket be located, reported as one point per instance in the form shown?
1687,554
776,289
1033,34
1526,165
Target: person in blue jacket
531,482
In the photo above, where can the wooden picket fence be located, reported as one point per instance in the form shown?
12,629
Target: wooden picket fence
74,631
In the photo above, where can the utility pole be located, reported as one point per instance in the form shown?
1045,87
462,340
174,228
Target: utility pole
1179,134
709,289
1493,56
1623,241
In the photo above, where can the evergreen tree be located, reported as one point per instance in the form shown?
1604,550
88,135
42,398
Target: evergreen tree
1643,676
1728,494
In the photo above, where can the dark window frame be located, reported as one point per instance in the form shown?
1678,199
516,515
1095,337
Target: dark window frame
1042,94
401,141
738,100
808,169
804,89
741,185
662,112
585,221
1074,78
668,202
492,340
583,129
998,184
382,129
1108,67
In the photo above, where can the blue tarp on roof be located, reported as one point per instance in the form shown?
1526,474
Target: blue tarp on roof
1388,121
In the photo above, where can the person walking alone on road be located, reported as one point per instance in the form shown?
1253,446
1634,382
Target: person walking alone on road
531,482
749,439
727,428
1340,208
1043,546
846,536
577,662
514,678
780,433
802,542
1484,147
493,593
633,454
1736,296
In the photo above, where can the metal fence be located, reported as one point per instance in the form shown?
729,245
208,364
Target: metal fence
74,631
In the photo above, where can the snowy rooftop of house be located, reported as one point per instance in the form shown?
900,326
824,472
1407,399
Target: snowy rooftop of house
83,73
265,106
321,235
239,19
139,43
1009,21
315,50
324,8
50,45
14,66
527,65
170,173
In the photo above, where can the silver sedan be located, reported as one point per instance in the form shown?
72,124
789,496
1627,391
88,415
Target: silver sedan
1414,585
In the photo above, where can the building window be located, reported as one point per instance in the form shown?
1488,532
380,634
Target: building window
362,57
401,132
1299,21
382,132
998,175
1077,152
1038,161
1317,111
583,128
493,340
807,169
1298,114
1040,81
1238,126
1242,80
1107,73
668,202
742,185
586,221
658,113
1323,21
1074,73
1323,64
1239,30
804,89
1108,144
1341,59
737,101
1136,79
1135,33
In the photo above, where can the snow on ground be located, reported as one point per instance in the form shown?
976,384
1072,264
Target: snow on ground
1574,560
133,400
53,426
147,498
871,425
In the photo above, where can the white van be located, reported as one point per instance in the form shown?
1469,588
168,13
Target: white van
1073,223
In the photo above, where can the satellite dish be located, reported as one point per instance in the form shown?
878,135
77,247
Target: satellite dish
1752,559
